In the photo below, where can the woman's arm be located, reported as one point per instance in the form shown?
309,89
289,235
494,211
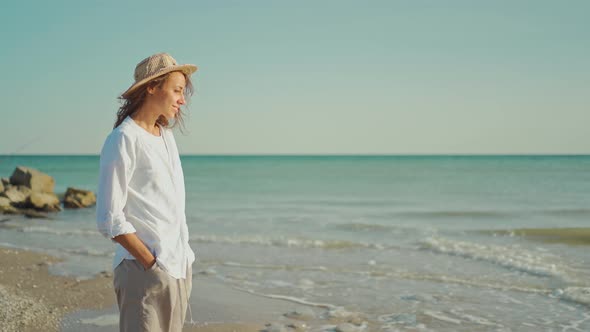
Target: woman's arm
117,164
137,248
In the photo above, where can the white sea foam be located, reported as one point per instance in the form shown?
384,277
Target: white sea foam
253,240
289,298
442,317
275,267
511,257
577,294
448,279
306,284
473,318
340,312
89,252
368,227
55,231
286,242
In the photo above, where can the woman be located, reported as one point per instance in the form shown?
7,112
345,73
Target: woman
141,199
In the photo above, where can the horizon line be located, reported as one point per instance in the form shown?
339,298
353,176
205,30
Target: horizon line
327,155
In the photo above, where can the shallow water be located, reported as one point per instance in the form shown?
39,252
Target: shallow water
402,240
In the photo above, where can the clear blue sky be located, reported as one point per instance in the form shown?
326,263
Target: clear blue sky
306,77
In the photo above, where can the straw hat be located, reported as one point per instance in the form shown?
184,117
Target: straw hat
154,66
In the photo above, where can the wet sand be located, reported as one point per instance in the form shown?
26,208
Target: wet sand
32,299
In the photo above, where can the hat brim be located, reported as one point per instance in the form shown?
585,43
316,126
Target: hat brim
186,69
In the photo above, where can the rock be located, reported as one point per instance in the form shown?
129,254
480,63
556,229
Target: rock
78,198
274,327
5,181
297,326
106,274
23,189
47,202
1,187
33,179
9,210
27,212
6,207
16,196
4,202
301,314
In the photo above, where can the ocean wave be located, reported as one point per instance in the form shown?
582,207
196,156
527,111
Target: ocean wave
576,294
572,212
345,202
448,279
275,267
54,231
89,252
287,242
364,227
511,257
453,214
569,235
397,275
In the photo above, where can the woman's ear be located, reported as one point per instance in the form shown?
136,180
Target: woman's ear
151,89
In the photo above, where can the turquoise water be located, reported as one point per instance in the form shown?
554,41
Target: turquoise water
395,238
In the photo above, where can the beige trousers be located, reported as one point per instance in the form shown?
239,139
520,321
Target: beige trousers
150,300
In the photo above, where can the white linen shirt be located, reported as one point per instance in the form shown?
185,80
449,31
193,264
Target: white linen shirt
141,190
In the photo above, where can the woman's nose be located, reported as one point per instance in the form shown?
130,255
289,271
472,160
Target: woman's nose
182,101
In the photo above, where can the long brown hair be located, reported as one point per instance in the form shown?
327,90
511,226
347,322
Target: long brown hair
136,98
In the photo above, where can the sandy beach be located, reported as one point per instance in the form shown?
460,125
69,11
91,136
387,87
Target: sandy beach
33,299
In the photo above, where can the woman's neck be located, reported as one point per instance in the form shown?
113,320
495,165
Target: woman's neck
146,120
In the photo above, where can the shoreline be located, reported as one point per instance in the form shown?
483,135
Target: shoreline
33,299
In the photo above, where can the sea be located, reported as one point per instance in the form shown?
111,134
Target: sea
410,243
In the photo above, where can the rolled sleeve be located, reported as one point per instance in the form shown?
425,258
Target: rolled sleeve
117,161
113,227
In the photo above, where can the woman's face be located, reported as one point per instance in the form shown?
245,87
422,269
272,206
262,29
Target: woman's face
170,96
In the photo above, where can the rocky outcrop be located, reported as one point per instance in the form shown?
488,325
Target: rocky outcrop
35,180
47,202
16,196
5,206
78,198
30,192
